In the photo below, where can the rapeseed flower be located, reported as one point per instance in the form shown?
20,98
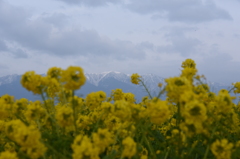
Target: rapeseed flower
54,73
135,78
237,87
73,78
8,155
34,82
129,146
84,148
64,116
188,63
176,86
129,97
102,139
6,106
222,149
117,94
121,110
194,112
158,112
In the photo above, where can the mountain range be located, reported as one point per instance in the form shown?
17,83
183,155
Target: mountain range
106,81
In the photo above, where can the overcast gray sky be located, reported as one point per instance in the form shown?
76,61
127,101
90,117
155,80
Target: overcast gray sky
130,36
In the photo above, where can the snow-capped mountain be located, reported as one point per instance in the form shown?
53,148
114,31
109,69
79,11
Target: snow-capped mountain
8,79
106,81
95,78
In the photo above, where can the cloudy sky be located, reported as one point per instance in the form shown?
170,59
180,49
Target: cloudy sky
130,36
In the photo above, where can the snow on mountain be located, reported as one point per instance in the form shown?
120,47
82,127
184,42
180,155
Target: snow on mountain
150,80
8,79
95,78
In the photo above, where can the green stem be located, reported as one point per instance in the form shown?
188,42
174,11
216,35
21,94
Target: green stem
167,154
74,112
54,128
55,151
230,89
149,94
160,93
45,103
179,131
149,146
207,150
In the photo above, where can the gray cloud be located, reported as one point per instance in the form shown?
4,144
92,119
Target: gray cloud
10,14
3,67
3,46
180,43
41,35
182,11
20,53
220,67
183,45
192,11
146,45
177,42
92,3
56,19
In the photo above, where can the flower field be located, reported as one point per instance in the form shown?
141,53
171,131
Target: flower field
192,123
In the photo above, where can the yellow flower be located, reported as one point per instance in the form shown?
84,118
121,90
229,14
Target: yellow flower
158,111
73,78
10,146
121,110
176,135
189,73
160,85
84,148
54,72
145,101
194,112
34,111
130,148
28,137
188,63
117,94
83,122
6,105
34,82
222,149
2,125
8,155
102,139
106,106
192,129
129,97
35,151
64,116
112,122
176,86
135,78
53,87
158,152
224,102
144,154
20,105
94,99
237,87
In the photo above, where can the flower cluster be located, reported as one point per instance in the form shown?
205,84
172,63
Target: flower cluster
191,122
